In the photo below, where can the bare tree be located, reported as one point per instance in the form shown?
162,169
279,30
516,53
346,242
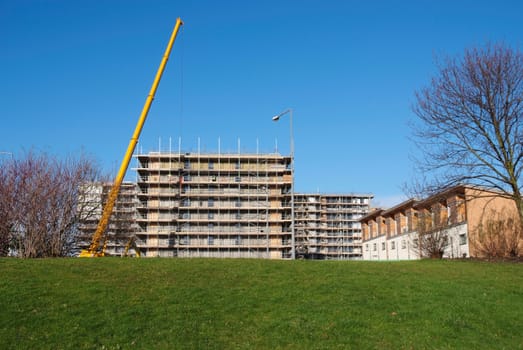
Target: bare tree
432,237
7,222
498,237
470,127
41,212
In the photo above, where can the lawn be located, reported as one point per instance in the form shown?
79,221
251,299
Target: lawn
113,303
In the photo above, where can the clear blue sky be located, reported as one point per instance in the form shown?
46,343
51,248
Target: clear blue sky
75,75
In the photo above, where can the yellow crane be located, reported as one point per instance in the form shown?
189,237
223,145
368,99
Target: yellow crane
131,244
98,242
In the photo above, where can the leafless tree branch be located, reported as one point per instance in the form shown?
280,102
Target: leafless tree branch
470,124
40,209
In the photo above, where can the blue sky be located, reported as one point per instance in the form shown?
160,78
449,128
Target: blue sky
75,75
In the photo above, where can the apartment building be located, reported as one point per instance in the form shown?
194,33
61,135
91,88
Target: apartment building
214,205
227,205
122,225
328,227
450,218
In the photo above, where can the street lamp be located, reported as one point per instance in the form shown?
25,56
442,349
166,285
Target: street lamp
276,118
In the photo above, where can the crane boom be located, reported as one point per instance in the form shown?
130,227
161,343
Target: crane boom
99,234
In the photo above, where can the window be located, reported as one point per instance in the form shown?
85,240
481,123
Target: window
211,227
238,240
211,202
393,245
367,247
238,203
403,244
211,240
210,216
211,165
382,245
238,165
374,247
187,164
462,239
238,179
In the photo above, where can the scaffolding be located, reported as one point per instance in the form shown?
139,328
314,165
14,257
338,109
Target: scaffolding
122,224
327,225
214,205
228,205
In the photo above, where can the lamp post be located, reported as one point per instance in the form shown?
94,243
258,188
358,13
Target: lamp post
276,118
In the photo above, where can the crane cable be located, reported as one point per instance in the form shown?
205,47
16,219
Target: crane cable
182,54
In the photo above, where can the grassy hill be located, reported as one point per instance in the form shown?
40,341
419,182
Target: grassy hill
114,303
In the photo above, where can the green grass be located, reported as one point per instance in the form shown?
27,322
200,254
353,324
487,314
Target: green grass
117,303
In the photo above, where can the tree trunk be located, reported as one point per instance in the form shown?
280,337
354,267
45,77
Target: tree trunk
519,206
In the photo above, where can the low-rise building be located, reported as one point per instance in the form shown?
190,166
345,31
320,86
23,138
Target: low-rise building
443,224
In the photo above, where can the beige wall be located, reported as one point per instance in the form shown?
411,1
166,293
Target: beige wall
481,206
460,210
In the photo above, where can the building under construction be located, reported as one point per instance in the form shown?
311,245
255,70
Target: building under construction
226,205
239,205
327,225
122,226
214,205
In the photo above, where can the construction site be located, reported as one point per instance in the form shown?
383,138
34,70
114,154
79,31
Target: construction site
214,205
234,205
327,225
122,228
228,206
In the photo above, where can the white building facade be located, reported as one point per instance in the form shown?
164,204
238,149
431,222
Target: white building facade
435,227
